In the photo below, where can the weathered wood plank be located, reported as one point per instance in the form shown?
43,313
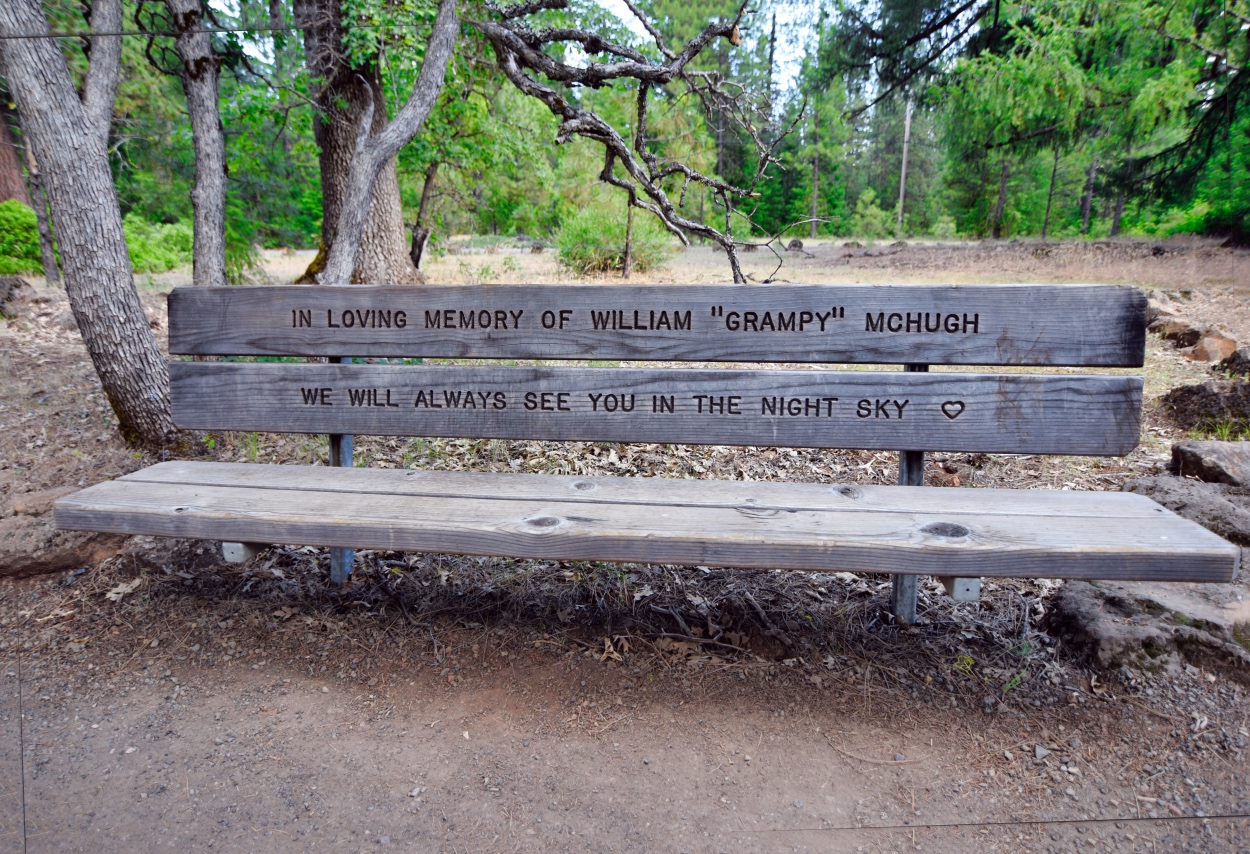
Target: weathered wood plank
764,496
1072,414
1090,325
986,543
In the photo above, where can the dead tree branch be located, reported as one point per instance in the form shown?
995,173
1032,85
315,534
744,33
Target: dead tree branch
520,52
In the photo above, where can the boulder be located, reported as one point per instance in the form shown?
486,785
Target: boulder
35,503
1218,507
14,291
1159,312
795,245
1213,462
1179,331
1238,364
1213,346
1210,403
1111,628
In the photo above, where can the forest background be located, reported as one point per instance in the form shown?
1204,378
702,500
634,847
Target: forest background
1059,119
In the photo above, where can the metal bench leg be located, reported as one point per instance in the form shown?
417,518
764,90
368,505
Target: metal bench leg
341,559
910,473
341,456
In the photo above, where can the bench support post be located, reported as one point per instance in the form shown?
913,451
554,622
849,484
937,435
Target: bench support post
341,456
903,592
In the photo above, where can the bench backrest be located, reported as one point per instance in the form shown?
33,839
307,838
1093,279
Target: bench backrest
804,325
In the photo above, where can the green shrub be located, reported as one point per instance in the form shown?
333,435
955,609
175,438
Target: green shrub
870,221
19,240
156,247
944,228
593,241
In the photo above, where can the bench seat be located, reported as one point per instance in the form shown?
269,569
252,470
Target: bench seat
821,527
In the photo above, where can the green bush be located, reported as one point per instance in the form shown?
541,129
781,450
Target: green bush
19,240
593,241
156,247
870,221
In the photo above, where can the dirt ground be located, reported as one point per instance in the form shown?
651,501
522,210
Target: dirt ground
153,696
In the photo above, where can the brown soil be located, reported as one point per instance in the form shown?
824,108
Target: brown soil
445,703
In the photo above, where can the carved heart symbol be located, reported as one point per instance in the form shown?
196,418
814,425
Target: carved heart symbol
952,409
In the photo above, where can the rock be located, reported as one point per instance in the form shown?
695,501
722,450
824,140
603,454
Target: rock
898,757
1111,630
1215,506
1039,752
1159,313
1213,462
795,245
1181,332
1238,364
1205,405
1213,346
14,290
536,249
36,503
852,244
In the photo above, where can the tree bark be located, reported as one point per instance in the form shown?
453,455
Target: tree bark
628,260
1050,196
815,168
420,230
1087,199
360,195
996,225
373,157
11,184
902,177
200,71
1117,213
69,134
47,250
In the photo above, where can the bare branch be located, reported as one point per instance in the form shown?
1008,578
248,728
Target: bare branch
104,69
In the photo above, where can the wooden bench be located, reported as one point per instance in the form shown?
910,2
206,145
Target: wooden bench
958,534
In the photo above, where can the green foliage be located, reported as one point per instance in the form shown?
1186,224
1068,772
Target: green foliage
870,221
593,241
156,247
19,240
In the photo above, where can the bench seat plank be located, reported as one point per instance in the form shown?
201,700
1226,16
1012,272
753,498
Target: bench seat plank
880,410
1075,325
1111,538
781,495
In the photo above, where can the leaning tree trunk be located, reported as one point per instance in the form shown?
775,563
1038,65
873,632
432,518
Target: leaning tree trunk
47,249
1087,199
420,230
69,135
343,97
996,224
200,72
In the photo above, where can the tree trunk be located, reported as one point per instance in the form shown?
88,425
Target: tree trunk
372,163
1117,213
815,168
420,230
996,225
902,177
628,260
208,198
1087,199
11,184
1050,196
70,139
345,97
47,250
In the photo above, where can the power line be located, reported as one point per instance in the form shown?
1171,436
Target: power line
90,34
